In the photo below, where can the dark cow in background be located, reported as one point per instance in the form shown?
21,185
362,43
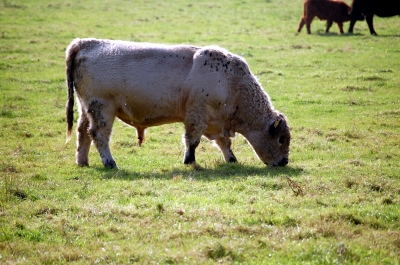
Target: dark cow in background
329,10
369,8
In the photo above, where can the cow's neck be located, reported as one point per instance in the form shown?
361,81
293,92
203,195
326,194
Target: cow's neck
253,108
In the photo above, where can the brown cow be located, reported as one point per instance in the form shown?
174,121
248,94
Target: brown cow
329,10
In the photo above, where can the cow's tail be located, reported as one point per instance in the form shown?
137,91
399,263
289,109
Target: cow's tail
71,52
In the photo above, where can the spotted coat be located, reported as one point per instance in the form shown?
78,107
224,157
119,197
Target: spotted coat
210,90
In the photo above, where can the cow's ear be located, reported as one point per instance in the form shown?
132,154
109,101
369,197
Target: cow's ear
273,128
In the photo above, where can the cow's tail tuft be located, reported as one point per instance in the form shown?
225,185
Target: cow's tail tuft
71,52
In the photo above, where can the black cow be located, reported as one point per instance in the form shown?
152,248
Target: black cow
369,8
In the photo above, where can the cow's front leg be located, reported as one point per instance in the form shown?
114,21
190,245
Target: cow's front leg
101,121
308,24
194,128
224,144
83,139
352,23
190,157
370,22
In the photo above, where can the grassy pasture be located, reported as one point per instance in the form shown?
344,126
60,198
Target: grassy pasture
337,202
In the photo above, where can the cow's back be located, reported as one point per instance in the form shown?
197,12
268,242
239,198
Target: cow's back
327,10
381,8
386,8
129,67
146,82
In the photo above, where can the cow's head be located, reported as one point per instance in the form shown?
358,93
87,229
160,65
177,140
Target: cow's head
271,143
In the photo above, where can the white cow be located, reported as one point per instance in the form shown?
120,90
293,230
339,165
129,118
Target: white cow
209,89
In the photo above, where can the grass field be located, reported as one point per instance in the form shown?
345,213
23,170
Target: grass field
337,201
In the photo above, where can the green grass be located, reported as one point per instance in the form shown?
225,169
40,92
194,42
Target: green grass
339,205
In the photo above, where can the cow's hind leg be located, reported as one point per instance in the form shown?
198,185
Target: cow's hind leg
101,120
301,24
224,144
83,139
340,25
328,25
194,128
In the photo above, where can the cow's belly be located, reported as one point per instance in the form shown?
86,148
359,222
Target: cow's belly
145,109
144,97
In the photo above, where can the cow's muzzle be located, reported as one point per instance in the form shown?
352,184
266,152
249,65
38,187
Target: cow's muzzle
284,161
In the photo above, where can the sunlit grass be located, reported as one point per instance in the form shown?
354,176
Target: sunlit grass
339,92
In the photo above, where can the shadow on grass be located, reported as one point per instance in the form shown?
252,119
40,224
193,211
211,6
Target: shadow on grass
337,34
361,34
221,171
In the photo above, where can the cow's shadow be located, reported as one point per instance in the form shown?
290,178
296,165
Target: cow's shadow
337,34
221,171
346,34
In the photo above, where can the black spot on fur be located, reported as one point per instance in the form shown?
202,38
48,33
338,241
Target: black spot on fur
207,95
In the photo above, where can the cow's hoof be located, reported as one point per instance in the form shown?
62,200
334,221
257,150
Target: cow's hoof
110,164
189,158
232,160
83,164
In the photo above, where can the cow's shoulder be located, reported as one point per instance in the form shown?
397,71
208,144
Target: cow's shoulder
221,60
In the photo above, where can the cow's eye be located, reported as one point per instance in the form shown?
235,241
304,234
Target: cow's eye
281,139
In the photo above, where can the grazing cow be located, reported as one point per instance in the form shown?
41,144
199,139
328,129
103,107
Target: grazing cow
369,8
329,10
209,89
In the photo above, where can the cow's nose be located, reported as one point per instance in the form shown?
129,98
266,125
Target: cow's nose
284,161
